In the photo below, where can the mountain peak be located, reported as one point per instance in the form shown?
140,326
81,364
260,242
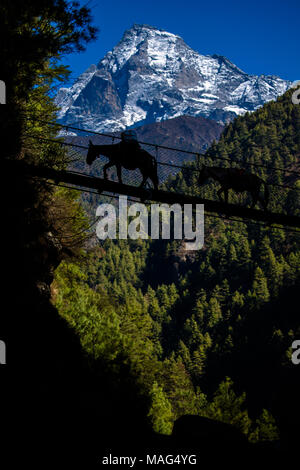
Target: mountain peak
151,75
138,26
146,27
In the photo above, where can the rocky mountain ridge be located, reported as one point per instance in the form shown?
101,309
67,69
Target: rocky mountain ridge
152,75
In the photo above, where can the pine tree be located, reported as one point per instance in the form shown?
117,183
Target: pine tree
160,413
178,387
214,313
260,287
226,406
266,429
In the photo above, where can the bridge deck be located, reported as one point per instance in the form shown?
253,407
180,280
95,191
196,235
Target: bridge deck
86,181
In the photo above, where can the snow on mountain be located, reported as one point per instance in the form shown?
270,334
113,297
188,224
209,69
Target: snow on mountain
152,75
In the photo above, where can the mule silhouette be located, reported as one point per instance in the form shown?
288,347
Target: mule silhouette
237,179
127,154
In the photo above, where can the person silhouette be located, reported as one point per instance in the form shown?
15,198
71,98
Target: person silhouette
129,140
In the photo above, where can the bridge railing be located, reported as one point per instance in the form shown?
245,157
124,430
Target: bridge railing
171,161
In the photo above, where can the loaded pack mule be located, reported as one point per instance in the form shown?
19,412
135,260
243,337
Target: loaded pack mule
237,179
127,154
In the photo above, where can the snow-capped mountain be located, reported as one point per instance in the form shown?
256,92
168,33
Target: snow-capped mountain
152,75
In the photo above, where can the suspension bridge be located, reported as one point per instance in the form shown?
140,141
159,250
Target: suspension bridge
170,162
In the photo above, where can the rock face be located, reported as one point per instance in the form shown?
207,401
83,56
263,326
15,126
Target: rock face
194,134
152,75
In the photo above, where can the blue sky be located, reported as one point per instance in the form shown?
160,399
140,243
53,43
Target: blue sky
260,37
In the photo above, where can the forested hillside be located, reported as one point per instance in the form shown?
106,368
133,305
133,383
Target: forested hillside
206,332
